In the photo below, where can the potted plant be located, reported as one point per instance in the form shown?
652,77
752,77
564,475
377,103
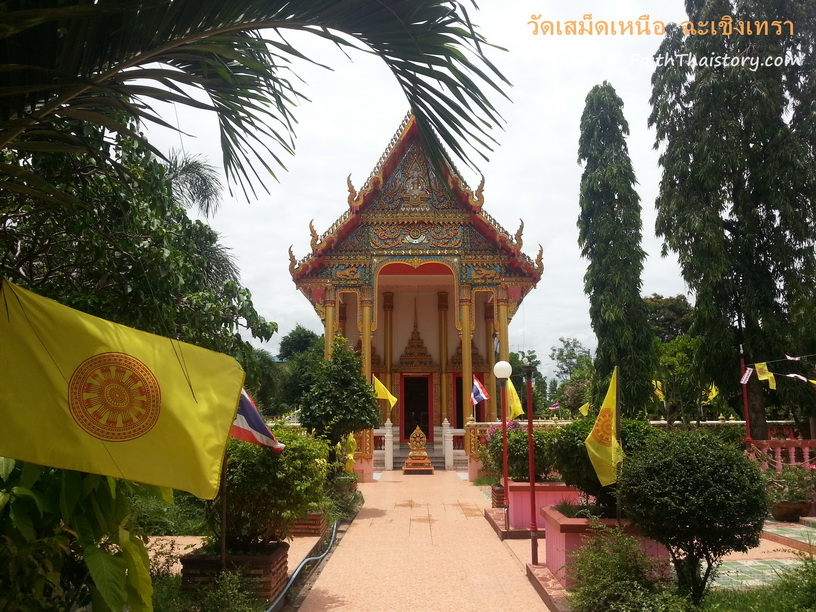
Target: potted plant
548,488
265,494
700,498
566,534
790,490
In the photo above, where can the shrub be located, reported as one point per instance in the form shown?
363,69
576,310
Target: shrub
231,593
613,574
154,516
340,401
700,498
571,460
266,492
518,466
728,433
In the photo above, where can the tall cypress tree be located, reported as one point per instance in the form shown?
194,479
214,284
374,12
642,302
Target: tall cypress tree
610,236
736,200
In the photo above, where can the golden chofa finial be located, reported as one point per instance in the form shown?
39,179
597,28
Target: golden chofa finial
292,261
313,242
352,197
517,239
539,262
477,199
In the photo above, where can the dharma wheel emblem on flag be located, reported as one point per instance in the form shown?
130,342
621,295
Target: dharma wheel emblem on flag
114,397
602,431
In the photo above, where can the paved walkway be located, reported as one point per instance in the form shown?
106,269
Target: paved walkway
421,542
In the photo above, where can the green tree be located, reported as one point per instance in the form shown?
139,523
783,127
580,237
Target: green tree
669,317
552,390
570,358
520,381
297,341
340,401
684,389
147,266
263,380
700,498
609,236
231,59
304,350
736,201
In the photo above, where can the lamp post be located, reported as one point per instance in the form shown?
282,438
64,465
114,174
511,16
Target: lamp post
528,377
502,371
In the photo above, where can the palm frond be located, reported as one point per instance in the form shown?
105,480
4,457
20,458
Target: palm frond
93,62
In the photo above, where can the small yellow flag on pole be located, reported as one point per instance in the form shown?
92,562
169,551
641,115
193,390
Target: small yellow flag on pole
658,390
764,374
82,393
513,402
602,444
380,392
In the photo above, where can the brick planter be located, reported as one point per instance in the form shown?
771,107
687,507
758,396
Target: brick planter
313,525
497,496
268,572
566,535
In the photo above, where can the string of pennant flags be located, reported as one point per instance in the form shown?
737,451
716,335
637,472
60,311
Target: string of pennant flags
763,373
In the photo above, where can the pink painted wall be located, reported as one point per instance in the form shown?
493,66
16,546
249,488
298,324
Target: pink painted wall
364,468
565,535
546,494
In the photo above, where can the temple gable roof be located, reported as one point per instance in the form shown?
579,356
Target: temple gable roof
405,210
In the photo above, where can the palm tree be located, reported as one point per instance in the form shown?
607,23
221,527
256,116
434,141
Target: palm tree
76,63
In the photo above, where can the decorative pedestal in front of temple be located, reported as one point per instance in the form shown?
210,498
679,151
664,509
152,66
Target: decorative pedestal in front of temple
418,461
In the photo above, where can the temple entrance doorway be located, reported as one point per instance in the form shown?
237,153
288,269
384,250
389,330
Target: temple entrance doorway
416,402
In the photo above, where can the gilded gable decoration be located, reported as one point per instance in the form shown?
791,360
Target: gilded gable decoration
415,357
479,362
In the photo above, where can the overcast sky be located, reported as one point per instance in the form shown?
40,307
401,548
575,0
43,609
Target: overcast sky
355,109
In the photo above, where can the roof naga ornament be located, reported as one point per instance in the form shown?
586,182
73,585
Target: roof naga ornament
292,262
539,262
314,240
517,238
353,195
477,199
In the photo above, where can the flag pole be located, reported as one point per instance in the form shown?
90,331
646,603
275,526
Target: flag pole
223,487
616,374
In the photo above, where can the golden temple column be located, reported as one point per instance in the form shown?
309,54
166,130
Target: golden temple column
341,317
328,305
388,337
365,303
442,307
467,357
489,326
504,338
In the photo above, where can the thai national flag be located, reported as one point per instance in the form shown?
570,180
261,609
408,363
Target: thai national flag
478,394
555,406
250,427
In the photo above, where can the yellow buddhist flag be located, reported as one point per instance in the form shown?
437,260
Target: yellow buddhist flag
584,410
713,392
658,390
380,392
514,408
764,374
82,393
602,444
